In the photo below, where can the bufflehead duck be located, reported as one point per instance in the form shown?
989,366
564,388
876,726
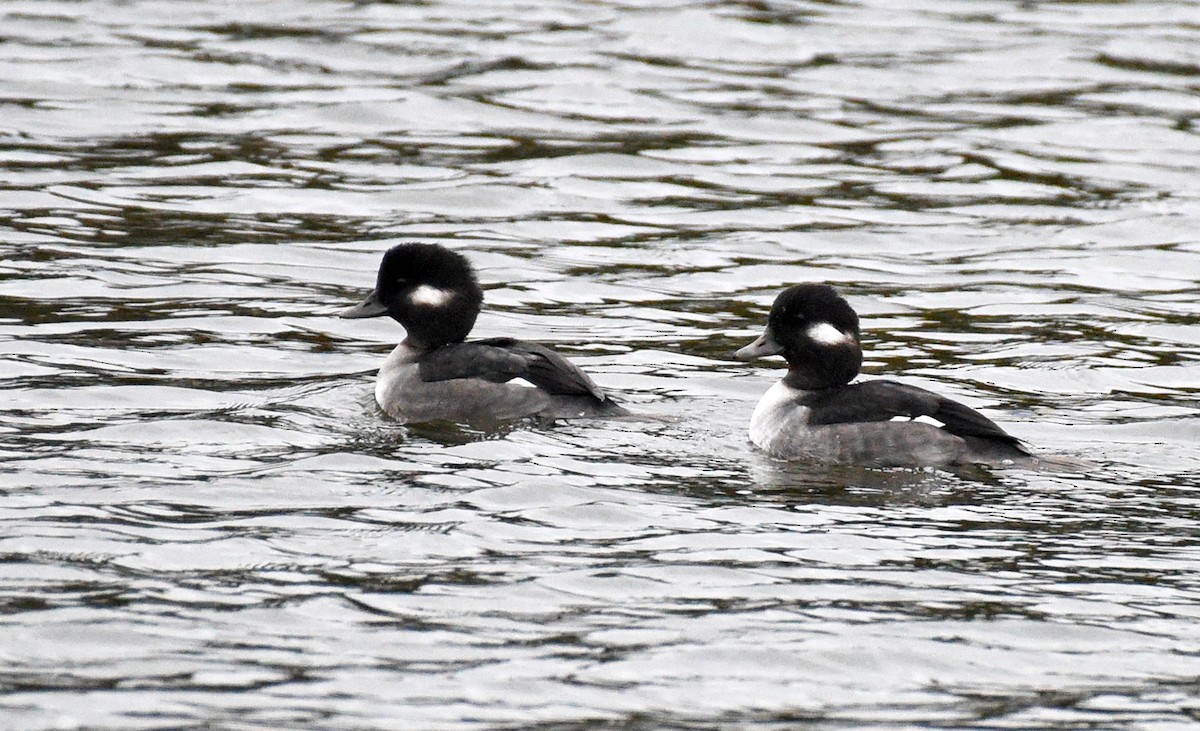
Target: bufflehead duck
815,412
433,375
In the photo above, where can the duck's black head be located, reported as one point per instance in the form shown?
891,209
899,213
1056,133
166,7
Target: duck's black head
428,289
816,331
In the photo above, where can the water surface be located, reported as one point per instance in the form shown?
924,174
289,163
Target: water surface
208,523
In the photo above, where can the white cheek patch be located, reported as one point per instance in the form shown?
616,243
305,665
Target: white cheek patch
430,296
922,419
822,333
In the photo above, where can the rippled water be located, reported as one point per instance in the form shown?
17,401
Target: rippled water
208,523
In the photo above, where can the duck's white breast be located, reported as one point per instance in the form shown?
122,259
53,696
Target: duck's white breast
777,415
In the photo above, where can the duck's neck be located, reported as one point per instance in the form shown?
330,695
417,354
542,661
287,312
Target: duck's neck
828,367
807,381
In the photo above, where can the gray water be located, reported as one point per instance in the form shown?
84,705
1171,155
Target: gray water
207,522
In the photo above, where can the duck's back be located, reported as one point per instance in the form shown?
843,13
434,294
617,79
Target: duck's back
873,423
486,382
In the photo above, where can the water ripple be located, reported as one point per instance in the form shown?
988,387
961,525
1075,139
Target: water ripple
209,523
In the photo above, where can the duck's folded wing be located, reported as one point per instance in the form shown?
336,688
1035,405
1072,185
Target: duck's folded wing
503,359
884,400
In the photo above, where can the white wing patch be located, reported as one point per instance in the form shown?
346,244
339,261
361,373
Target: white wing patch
520,382
430,296
823,333
923,419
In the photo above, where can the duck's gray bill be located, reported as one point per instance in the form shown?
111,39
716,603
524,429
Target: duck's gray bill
763,346
370,307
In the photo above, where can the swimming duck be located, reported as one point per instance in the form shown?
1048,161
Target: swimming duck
436,374
816,413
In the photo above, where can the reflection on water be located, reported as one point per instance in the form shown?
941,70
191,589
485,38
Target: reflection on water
208,522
